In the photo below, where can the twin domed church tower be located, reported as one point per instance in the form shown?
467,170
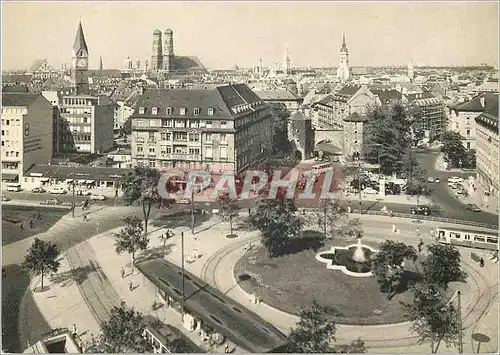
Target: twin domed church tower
163,56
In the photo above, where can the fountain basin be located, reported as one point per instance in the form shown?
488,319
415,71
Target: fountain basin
341,258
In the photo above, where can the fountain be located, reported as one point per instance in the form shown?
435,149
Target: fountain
353,260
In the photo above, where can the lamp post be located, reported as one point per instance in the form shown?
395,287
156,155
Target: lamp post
73,203
182,267
192,209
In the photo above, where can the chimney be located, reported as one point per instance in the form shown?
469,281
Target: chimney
482,99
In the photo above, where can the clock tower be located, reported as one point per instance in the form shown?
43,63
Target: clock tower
79,71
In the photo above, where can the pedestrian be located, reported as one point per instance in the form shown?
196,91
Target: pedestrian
22,226
348,209
226,349
80,344
420,245
481,262
85,217
418,232
130,286
31,224
38,215
123,273
75,331
394,228
249,210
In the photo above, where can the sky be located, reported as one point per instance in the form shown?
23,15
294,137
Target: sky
223,34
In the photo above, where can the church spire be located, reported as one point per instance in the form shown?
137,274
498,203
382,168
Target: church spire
80,44
343,40
100,63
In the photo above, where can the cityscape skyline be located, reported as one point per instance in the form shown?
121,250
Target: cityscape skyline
440,34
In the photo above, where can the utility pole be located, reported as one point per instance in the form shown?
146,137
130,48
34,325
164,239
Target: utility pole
360,187
182,266
459,311
192,210
73,199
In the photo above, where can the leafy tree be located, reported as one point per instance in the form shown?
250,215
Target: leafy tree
281,115
435,319
164,237
228,209
42,258
453,149
277,222
414,173
442,264
314,332
356,347
336,222
387,264
141,186
131,238
469,161
122,333
126,129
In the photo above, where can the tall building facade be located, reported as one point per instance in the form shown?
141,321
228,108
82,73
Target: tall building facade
343,70
157,55
26,133
220,129
80,63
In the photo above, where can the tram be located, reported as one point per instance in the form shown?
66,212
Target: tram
467,238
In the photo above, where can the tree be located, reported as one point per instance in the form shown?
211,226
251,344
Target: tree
387,264
281,115
131,238
442,264
314,332
453,148
414,173
126,129
469,161
356,347
435,319
228,209
336,222
277,221
42,258
141,186
122,333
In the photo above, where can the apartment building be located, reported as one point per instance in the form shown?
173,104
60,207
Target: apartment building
26,133
86,124
55,99
486,127
291,101
225,128
462,116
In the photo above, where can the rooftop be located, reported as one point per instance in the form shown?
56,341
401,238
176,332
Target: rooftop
18,99
355,117
79,173
279,95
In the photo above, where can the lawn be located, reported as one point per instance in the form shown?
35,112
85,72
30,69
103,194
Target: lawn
12,216
292,281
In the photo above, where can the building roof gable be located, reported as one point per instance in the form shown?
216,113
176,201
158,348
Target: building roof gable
18,99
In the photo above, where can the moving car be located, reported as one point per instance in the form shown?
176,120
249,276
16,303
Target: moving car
437,180
97,197
83,192
38,190
472,207
370,191
421,210
5,198
58,190
52,201
454,185
455,179
430,179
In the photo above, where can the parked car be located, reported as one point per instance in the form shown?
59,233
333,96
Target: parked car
370,191
455,179
454,185
58,190
5,198
184,201
38,190
83,192
13,187
430,179
97,197
472,207
462,192
437,180
421,210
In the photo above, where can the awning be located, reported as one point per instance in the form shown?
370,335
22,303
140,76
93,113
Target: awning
9,177
89,181
69,180
44,179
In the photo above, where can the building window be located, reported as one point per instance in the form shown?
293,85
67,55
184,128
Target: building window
468,132
152,150
139,123
223,124
141,110
223,152
194,151
169,110
151,136
180,123
152,164
182,111
208,152
85,120
209,124
208,137
457,125
468,145
8,122
17,154
166,136
223,137
140,149
154,110
210,111
196,111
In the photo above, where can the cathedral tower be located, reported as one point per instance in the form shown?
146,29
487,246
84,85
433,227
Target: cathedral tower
286,61
157,56
168,50
411,71
80,67
343,70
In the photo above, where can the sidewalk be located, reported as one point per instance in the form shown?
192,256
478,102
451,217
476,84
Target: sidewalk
402,199
439,165
486,203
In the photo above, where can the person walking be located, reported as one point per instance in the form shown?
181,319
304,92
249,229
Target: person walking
481,262
123,273
130,286
226,349
21,226
75,331
85,217
31,224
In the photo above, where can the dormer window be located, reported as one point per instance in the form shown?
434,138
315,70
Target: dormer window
182,111
169,110
154,110
141,110
210,111
196,111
